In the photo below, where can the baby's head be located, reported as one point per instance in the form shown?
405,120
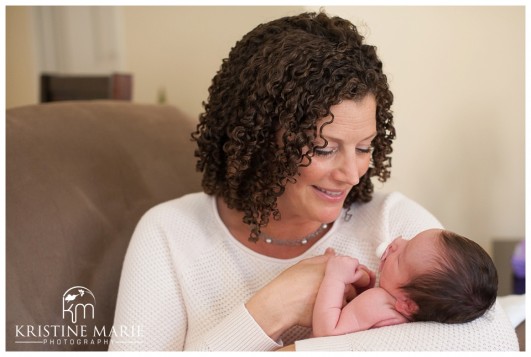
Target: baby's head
439,276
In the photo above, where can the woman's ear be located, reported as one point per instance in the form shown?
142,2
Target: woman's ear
406,306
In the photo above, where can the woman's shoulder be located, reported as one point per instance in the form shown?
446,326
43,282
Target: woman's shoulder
185,202
384,201
403,207
181,221
400,214
179,209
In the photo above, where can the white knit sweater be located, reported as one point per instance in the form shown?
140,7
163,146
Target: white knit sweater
185,281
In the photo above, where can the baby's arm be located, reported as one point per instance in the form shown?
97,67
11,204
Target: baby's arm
340,272
372,308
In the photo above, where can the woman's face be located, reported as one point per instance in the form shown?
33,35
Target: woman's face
322,187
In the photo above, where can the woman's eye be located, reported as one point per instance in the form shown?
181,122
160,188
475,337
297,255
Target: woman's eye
364,150
324,152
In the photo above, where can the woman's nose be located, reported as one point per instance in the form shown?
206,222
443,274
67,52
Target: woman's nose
348,171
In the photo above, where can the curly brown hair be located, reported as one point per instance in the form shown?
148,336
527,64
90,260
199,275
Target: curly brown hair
283,77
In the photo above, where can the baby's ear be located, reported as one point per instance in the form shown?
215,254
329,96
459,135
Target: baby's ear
406,306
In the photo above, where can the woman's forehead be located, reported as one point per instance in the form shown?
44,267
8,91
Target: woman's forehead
351,117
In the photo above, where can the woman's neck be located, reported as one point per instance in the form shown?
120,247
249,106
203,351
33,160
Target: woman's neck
280,230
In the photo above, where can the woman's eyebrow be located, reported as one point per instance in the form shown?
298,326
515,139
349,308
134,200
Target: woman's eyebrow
339,140
370,137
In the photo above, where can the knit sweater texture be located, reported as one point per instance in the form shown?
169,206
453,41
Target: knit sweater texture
185,282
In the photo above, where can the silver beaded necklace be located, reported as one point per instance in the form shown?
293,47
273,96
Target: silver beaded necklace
302,241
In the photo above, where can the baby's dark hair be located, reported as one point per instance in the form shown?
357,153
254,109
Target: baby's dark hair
461,289
283,77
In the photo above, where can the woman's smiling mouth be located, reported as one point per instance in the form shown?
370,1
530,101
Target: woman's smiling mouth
333,195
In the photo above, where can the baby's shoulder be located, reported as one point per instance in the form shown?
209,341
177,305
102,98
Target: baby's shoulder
378,296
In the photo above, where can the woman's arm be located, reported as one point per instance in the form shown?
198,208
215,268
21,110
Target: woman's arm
282,303
154,296
491,332
289,299
149,296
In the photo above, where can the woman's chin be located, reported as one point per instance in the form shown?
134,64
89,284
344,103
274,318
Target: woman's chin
329,216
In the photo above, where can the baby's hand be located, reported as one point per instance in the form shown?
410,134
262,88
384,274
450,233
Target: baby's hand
342,267
367,281
348,270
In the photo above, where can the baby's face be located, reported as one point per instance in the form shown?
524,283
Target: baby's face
404,259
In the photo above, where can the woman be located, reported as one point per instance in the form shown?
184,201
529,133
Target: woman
297,123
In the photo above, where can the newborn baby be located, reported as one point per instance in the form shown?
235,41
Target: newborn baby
436,276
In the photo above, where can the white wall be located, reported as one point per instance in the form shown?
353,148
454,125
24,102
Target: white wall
179,49
457,74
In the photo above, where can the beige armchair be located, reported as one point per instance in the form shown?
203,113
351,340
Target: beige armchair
79,175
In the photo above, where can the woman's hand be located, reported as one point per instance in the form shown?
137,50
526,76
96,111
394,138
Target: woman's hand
289,298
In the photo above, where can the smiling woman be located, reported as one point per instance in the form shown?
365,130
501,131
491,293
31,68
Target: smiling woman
297,123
